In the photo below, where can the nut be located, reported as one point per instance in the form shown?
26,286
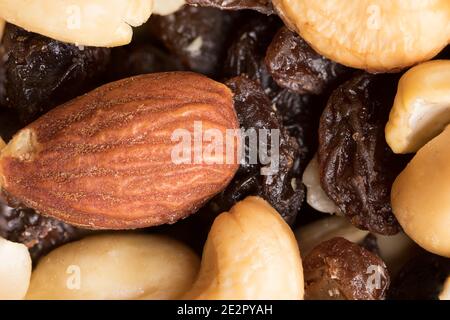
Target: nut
313,234
100,23
315,195
445,293
115,266
251,253
106,160
420,198
340,270
371,35
2,28
15,270
421,108
166,7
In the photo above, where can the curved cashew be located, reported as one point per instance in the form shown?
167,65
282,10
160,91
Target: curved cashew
421,108
15,270
115,266
101,23
251,253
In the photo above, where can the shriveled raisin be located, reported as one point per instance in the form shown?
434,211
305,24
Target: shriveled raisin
197,36
357,167
136,59
338,269
40,234
41,73
283,188
263,6
422,278
296,66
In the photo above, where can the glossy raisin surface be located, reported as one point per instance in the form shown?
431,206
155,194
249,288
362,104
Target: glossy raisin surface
357,167
422,278
41,73
262,6
338,269
283,188
197,36
40,234
294,65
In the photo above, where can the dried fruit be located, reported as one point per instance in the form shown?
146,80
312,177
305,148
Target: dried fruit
197,36
115,266
371,35
294,65
109,159
41,73
357,168
422,278
78,21
282,189
421,108
263,6
251,253
39,234
15,270
340,270
420,196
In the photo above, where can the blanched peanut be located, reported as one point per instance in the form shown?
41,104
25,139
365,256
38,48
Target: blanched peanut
15,270
101,23
251,253
115,266
166,7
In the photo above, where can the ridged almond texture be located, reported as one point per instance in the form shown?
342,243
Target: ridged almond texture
104,160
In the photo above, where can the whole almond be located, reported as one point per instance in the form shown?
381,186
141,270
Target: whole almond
104,160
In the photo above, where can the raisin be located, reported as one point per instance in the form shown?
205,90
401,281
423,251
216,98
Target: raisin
338,269
357,167
283,189
294,65
40,234
197,36
9,124
422,278
136,59
41,73
262,6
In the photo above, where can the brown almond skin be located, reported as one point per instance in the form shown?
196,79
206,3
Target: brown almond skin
103,160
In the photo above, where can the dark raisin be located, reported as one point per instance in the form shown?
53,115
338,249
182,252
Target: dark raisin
294,65
357,167
283,188
422,278
197,36
136,59
262,6
40,234
338,269
9,124
41,73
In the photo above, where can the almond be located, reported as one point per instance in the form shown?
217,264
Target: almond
104,160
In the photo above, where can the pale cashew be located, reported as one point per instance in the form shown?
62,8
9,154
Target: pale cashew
251,253
15,270
115,266
166,7
102,23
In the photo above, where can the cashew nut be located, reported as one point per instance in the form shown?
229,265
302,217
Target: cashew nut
445,293
251,253
166,7
115,266
420,196
102,23
15,270
422,106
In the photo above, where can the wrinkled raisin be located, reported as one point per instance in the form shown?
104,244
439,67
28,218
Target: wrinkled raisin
262,6
338,269
294,65
283,189
197,36
41,73
40,234
357,167
422,278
